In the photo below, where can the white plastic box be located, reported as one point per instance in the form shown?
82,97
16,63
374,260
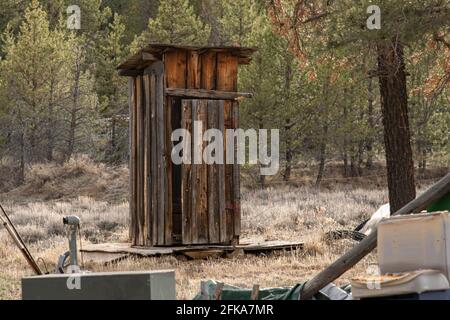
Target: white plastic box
415,242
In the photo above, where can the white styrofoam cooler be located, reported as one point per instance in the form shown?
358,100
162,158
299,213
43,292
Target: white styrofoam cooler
415,242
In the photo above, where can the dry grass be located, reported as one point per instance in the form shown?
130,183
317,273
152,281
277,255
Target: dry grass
97,193
80,176
278,213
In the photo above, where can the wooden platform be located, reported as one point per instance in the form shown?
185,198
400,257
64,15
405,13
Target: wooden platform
111,252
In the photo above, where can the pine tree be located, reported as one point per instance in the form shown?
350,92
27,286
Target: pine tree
175,23
340,23
238,20
34,70
111,88
80,109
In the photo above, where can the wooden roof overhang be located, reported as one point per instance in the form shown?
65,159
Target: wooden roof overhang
136,64
139,62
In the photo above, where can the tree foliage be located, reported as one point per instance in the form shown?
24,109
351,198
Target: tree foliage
314,75
176,23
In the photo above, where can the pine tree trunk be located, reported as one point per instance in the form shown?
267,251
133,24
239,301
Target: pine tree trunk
72,128
397,137
113,144
371,123
321,164
21,173
360,157
262,178
322,156
345,160
346,143
73,121
288,153
288,125
50,126
288,169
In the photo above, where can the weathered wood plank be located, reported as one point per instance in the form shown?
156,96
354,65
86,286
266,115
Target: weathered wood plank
206,94
190,231
139,159
132,164
168,219
193,71
147,163
192,81
154,162
186,183
176,177
175,76
129,73
104,258
251,248
208,72
208,84
175,63
221,180
213,190
201,187
194,213
161,151
236,178
227,67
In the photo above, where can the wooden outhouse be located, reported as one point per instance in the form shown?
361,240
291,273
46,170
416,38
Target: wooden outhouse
170,87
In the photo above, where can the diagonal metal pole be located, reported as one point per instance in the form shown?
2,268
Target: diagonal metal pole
9,226
352,257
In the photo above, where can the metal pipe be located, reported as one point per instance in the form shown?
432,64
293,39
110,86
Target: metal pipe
21,245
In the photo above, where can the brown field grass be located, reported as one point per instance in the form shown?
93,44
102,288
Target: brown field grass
280,212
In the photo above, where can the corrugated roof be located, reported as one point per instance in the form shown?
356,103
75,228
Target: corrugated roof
137,62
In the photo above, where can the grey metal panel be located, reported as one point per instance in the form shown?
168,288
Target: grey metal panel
154,285
162,286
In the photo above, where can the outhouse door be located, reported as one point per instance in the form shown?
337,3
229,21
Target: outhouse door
208,214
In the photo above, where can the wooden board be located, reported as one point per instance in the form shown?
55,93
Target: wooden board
249,248
153,163
236,178
205,94
175,65
193,70
104,258
213,194
186,173
193,183
160,153
147,163
227,67
189,232
133,211
201,170
140,161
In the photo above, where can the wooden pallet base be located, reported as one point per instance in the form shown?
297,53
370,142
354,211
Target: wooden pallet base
112,252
